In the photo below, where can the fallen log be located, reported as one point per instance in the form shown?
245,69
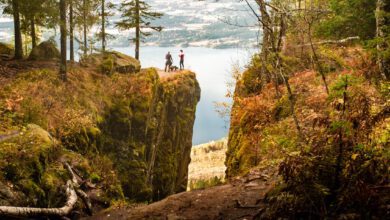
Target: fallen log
5,137
31,212
72,193
342,41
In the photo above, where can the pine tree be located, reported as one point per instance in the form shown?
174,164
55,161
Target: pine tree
105,11
37,13
71,31
85,16
63,39
17,30
12,7
138,15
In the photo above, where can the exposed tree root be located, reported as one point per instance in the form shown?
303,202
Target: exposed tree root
30,212
73,191
240,205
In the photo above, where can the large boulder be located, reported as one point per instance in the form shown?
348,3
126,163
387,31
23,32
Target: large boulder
6,51
112,61
46,50
24,160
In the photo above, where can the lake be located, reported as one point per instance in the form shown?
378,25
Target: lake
213,71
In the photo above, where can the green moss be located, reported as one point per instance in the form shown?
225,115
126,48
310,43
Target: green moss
46,50
107,65
203,184
282,108
112,61
6,49
95,178
27,162
107,128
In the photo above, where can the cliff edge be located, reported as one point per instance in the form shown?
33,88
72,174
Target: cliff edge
127,136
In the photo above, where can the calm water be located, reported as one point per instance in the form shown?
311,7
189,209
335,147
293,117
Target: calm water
213,71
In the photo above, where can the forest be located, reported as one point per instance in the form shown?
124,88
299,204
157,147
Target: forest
100,137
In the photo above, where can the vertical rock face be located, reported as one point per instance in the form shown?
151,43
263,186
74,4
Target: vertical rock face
130,134
148,134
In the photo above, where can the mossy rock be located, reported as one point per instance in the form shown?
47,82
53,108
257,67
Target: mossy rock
112,61
46,50
24,160
125,64
6,49
32,162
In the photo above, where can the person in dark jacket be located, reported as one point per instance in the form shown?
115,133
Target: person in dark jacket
168,62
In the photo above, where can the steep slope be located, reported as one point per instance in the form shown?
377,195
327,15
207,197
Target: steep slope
273,173
337,164
127,136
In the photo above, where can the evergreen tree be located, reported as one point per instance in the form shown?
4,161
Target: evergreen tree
12,7
17,30
63,39
85,16
71,31
104,13
37,13
138,15
349,18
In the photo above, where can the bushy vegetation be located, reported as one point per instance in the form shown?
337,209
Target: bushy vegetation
203,184
327,126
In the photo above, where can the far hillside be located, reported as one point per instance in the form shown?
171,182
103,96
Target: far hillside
207,167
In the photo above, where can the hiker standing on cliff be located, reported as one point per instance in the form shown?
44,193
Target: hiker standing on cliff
181,55
168,62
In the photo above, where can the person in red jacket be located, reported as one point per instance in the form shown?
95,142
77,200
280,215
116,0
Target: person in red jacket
181,55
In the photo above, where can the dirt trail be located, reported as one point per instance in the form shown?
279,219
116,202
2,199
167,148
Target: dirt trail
240,199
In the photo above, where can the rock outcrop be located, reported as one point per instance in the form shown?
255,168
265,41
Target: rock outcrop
46,50
32,174
126,135
149,134
6,51
112,61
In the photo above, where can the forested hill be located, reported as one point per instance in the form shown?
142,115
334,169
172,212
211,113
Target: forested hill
191,23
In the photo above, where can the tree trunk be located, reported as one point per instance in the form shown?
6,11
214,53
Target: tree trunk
279,67
33,34
137,30
71,31
267,32
18,34
85,26
382,34
103,26
317,61
63,39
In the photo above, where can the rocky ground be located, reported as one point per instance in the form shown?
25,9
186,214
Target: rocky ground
241,198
